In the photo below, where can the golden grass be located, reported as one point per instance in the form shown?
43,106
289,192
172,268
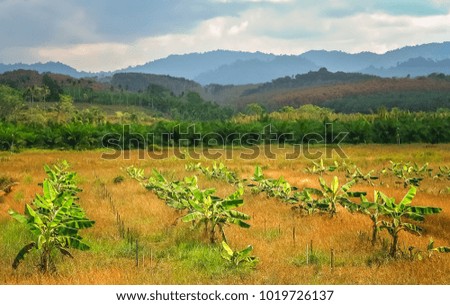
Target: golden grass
282,260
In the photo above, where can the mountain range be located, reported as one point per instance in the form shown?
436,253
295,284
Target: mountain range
236,68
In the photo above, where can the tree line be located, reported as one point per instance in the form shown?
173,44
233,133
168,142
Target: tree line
407,128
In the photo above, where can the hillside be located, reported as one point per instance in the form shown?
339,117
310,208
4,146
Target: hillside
167,96
414,67
139,82
364,96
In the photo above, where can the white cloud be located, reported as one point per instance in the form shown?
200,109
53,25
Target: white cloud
284,29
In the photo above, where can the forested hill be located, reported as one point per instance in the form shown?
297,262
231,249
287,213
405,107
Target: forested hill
140,82
167,96
311,79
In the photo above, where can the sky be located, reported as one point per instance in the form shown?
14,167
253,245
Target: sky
105,35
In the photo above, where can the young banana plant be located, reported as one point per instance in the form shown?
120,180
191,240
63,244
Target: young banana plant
358,175
374,209
318,168
432,249
328,197
239,258
396,214
215,213
278,188
54,219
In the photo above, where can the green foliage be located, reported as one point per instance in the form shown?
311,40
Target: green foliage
79,130
240,258
395,216
432,249
218,171
327,197
10,102
373,209
358,175
203,207
54,219
277,188
65,108
409,175
54,88
444,173
63,180
135,173
318,168
215,213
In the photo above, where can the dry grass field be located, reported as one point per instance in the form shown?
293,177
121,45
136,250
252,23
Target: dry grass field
172,253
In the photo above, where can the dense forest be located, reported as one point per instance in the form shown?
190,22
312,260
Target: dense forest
59,112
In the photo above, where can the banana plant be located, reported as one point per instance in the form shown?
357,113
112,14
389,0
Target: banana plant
136,173
395,215
54,219
309,204
444,173
192,167
63,180
409,175
328,197
343,166
374,209
216,213
218,171
432,249
358,175
239,258
318,168
176,194
278,188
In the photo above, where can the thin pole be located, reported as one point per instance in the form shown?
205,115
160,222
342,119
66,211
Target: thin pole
137,253
332,260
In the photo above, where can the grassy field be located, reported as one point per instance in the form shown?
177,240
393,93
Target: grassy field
170,252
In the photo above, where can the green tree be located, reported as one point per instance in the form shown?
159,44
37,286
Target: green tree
65,108
54,89
255,109
10,102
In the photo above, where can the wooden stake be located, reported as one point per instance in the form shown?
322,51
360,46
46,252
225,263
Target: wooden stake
137,253
332,260
293,235
311,247
307,255
151,258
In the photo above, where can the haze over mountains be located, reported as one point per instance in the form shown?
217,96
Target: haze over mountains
235,67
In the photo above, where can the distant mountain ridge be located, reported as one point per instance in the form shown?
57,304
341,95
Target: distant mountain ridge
235,67
52,67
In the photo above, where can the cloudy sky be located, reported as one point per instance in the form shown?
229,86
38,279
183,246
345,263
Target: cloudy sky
103,35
